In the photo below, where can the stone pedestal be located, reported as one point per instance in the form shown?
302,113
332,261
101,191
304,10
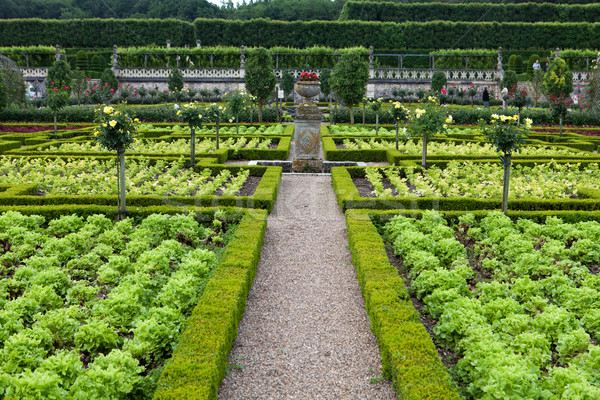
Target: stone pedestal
307,134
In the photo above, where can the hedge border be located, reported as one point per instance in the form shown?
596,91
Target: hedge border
264,195
199,362
348,197
409,357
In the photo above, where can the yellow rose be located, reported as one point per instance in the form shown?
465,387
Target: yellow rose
104,125
137,121
108,110
113,123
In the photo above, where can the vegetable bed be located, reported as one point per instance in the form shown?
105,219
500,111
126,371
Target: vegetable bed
91,308
516,303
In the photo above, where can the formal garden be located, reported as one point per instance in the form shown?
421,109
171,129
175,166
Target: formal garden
144,189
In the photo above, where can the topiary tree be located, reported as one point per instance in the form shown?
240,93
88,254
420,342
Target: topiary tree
82,60
60,74
215,113
191,114
375,105
98,63
399,114
515,63
438,81
326,85
558,84
510,81
287,83
175,81
57,98
349,80
427,122
260,79
237,101
116,131
506,135
79,85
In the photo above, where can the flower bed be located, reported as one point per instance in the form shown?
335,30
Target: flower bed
515,301
92,308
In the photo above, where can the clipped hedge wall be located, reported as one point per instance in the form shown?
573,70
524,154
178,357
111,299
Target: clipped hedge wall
472,12
303,34
409,357
199,362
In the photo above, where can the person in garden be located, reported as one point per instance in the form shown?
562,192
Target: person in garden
536,65
485,96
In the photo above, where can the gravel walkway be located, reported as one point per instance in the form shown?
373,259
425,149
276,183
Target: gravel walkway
305,334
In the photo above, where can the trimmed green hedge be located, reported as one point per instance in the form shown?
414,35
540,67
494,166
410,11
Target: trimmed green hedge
199,362
348,197
473,12
303,34
409,357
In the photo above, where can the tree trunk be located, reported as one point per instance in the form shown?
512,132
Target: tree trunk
55,122
218,133
351,114
121,161
192,147
237,124
251,115
260,104
424,155
363,114
396,135
377,123
559,121
506,183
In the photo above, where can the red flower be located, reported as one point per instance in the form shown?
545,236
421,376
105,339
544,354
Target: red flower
66,88
55,89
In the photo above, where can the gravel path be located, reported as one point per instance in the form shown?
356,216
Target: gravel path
305,334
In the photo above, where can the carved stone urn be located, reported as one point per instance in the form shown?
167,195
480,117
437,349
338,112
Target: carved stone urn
307,109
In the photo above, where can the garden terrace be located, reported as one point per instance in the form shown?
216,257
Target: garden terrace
453,185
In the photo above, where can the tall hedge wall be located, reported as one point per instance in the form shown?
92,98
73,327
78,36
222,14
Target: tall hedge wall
490,1
95,32
474,12
300,34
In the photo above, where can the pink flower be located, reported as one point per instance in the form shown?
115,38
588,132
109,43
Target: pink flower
112,90
87,90
66,88
105,83
89,79
93,88
52,83
55,89
87,95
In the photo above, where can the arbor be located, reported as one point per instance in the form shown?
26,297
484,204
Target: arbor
260,79
349,80
175,80
558,83
506,135
60,74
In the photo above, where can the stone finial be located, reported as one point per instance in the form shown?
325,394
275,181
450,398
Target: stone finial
242,57
198,43
371,57
57,53
557,53
168,44
115,55
499,58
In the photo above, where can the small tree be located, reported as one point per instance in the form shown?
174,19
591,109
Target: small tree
510,81
519,99
191,114
109,79
237,101
57,98
515,63
81,61
80,84
558,84
375,105
438,81
471,92
116,131
506,135
142,92
326,85
349,80
215,113
175,80
98,63
536,85
60,74
399,114
287,83
427,122
260,79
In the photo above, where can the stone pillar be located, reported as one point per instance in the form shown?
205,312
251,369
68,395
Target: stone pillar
307,131
242,62
168,44
198,43
57,53
371,86
557,53
499,69
115,61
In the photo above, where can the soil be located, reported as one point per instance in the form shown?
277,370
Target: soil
365,189
35,128
273,146
448,357
249,186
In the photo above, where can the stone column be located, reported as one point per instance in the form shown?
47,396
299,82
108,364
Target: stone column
557,53
499,69
168,44
115,61
307,132
370,85
242,62
57,53
198,43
